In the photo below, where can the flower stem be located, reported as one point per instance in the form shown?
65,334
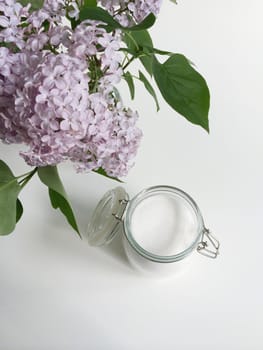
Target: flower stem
25,180
125,59
25,175
129,62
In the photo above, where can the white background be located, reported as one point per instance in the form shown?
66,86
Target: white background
57,293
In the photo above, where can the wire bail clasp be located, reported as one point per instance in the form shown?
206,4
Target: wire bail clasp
122,206
209,245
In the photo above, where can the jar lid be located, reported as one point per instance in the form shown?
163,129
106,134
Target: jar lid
107,217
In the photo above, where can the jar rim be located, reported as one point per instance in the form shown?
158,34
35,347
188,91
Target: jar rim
142,251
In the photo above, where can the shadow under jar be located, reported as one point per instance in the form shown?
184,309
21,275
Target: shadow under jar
161,227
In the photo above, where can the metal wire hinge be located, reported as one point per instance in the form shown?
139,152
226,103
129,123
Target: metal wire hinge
209,245
123,204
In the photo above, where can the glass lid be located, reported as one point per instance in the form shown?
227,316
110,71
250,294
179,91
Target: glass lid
106,218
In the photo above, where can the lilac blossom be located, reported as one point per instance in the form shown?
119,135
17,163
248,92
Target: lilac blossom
11,69
64,121
112,137
57,90
12,14
91,42
132,12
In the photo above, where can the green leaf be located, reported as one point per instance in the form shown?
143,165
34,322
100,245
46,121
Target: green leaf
139,43
35,4
99,14
149,88
148,22
91,3
9,190
128,77
102,172
150,49
19,210
58,201
50,177
116,94
183,88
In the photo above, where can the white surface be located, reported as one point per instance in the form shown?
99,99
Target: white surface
57,293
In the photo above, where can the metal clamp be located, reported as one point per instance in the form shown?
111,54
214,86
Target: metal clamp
209,245
123,203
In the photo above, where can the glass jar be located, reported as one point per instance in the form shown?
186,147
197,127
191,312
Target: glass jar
161,228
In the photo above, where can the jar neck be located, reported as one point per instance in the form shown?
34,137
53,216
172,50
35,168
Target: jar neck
146,253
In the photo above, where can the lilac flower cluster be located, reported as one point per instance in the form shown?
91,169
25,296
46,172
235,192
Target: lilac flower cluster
130,12
57,91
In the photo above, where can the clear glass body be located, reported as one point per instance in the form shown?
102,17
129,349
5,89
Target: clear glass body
162,228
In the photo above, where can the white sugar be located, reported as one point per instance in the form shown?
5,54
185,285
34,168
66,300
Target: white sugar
164,224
